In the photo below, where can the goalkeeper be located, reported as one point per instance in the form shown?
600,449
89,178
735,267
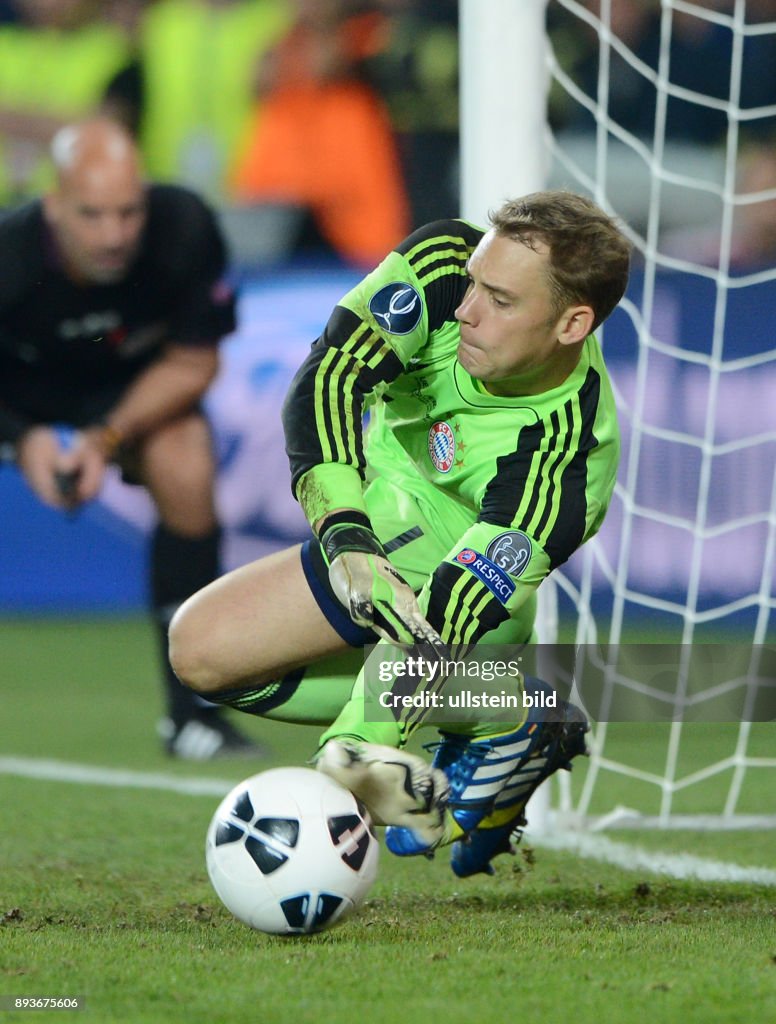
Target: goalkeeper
491,455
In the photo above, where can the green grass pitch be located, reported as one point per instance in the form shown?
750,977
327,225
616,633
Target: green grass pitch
104,893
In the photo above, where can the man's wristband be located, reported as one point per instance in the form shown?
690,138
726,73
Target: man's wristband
348,531
109,439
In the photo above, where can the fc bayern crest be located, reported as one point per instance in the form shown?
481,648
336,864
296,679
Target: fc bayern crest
441,446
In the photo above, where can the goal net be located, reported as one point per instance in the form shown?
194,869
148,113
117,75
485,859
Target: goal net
665,113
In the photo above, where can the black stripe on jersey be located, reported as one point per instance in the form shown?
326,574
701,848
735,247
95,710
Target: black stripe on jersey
343,400
568,530
455,260
332,420
388,369
377,344
505,491
351,333
419,260
300,413
438,235
303,443
453,624
404,538
359,344
454,241
444,579
458,615
556,443
560,446
444,295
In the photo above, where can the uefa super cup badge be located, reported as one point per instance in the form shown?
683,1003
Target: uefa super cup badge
441,446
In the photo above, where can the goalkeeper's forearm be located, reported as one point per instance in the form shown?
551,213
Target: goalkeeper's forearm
366,583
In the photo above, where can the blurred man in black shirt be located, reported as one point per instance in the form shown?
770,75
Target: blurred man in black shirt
112,305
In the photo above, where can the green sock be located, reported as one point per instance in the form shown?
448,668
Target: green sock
307,696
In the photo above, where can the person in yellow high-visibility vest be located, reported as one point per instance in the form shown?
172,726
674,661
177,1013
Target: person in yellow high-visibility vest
189,91
54,64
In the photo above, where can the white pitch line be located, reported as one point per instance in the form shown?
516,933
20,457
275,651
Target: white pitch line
634,858
586,845
86,774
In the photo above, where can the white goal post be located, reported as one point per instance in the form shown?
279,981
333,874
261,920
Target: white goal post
687,555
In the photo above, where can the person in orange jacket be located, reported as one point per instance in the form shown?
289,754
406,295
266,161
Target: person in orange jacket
321,137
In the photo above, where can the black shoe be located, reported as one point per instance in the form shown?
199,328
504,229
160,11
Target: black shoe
204,737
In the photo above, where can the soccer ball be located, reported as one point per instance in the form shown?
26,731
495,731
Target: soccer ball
291,851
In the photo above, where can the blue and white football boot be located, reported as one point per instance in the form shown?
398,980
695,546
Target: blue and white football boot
499,830
491,779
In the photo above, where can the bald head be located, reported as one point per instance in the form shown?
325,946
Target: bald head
98,145
97,208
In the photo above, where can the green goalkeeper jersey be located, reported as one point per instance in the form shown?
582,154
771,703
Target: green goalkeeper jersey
476,497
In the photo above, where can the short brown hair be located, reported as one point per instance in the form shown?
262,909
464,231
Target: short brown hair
589,257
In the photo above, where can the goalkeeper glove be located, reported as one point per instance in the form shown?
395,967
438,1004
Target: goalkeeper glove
368,585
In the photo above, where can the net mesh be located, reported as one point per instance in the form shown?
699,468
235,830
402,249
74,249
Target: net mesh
687,555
